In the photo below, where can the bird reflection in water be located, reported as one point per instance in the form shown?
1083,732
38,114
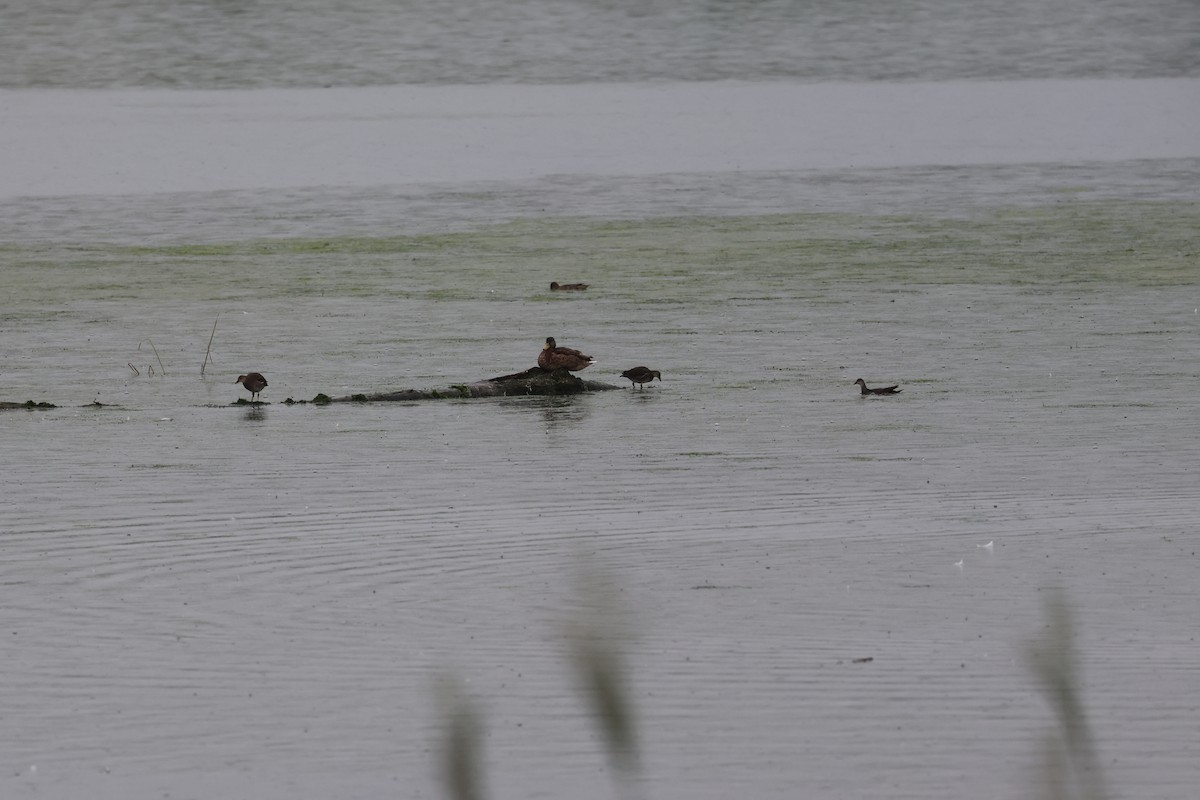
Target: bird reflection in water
255,413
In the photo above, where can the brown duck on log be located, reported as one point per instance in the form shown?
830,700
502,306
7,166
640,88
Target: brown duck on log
553,357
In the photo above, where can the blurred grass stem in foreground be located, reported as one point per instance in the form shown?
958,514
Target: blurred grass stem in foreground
461,757
1070,770
594,636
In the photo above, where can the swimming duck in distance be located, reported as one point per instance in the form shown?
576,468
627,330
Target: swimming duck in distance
555,286
255,382
878,390
555,357
641,375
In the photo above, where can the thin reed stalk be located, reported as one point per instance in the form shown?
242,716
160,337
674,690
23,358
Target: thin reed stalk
208,351
161,368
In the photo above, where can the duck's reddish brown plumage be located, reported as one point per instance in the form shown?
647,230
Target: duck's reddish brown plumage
254,382
878,390
555,357
555,286
641,375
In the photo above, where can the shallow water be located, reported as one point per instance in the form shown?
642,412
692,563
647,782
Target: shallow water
257,601
207,600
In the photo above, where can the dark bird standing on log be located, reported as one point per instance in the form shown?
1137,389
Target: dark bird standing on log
255,382
641,375
879,390
555,286
553,357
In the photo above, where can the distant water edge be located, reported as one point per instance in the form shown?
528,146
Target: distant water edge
309,43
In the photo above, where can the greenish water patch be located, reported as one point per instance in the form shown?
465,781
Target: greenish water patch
667,262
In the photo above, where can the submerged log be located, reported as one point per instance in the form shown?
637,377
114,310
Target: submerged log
6,405
533,381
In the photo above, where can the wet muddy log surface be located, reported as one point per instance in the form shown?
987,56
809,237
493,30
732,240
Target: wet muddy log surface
6,405
533,381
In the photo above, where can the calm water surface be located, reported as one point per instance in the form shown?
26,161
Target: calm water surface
205,600
256,601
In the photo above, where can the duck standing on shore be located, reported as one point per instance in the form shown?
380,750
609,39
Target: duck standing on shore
641,375
255,382
555,357
878,390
